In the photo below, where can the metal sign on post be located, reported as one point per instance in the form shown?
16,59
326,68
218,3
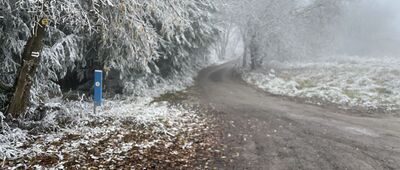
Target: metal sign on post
98,90
44,22
35,54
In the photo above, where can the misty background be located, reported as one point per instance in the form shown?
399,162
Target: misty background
369,27
310,29
344,52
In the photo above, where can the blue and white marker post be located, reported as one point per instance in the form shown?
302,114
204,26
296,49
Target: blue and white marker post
98,89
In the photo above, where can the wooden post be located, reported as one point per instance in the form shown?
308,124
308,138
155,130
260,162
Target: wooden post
30,62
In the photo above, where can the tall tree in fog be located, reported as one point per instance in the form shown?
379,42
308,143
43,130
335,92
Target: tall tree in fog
261,22
318,22
281,29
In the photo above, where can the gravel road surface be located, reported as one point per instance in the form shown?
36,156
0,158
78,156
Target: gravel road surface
263,131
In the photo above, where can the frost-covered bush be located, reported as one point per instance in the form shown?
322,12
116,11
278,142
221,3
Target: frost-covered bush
9,139
352,82
145,42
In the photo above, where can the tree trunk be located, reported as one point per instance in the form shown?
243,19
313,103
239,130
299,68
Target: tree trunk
245,53
253,61
254,53
30,62
224,41
245,50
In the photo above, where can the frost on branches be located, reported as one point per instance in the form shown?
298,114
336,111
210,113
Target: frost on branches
144,47
137,43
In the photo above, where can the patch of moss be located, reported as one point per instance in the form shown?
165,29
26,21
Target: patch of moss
395,72
383,90
350,81
285,76
379,81
303,84
351,93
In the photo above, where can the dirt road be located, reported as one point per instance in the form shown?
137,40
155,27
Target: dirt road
263,131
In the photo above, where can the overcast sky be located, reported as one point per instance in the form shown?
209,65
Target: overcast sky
371,27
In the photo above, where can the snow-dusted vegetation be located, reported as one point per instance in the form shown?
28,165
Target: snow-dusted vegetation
145,49
287,47
137,43
129,132
125,133
351,82
151,50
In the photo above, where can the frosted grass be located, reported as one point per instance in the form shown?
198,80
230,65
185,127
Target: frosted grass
349,81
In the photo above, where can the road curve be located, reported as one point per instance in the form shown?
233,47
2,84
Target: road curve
263,131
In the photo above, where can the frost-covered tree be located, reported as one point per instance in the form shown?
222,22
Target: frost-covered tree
260,22
318,22
136,40
281,29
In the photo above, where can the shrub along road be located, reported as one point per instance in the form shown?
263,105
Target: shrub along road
263,131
